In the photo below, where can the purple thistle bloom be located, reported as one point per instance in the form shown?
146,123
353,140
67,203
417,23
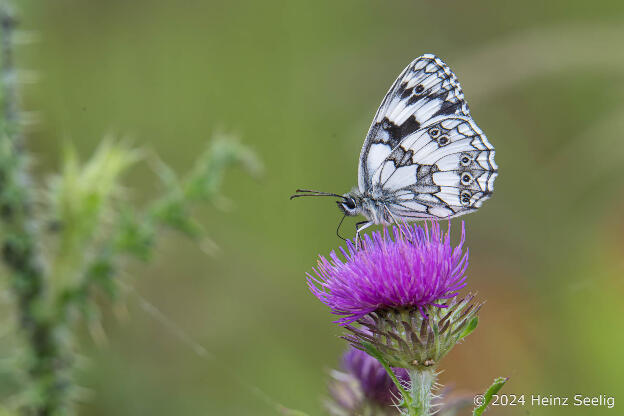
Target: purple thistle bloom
372,377
414,267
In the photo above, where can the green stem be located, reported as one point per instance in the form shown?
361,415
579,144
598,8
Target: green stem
395,380
20,251
421,383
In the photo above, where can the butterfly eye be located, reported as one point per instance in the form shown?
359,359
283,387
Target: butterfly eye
434,132
443,141
466,178
419,88
350,203
465,160
464,197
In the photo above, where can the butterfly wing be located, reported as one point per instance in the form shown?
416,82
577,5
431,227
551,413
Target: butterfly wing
424,156
426,88
442,170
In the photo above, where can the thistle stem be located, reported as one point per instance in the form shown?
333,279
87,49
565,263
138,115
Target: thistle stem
421,383
20,252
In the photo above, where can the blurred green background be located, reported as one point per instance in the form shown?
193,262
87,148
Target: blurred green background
299,81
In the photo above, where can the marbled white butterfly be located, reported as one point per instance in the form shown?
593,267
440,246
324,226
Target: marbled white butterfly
424,156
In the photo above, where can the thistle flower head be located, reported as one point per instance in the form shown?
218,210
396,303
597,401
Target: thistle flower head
372,376
364,386
397,294
411,267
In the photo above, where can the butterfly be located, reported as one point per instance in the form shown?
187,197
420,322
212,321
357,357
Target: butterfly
424,157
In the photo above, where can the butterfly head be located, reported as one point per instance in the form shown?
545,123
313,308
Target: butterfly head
351,204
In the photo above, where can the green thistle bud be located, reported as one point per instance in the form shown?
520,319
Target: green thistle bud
412,338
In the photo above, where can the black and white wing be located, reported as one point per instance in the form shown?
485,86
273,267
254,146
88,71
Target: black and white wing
424,156
442,170
425,89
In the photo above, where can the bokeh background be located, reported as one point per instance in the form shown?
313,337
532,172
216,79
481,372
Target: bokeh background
299,81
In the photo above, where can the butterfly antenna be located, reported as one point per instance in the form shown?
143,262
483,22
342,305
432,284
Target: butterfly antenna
338,228
306,192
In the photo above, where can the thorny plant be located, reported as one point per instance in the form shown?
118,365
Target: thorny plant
397,296
65,237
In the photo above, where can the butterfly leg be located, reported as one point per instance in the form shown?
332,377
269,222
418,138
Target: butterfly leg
360,226
400,225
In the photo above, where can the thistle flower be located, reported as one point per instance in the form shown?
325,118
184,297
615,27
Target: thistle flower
372,377
364,387
397,293
413,268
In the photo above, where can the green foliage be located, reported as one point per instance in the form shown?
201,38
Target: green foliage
81,208
95,226
201,184
62,241
88,227
75,237
472,325
118,229
489,395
